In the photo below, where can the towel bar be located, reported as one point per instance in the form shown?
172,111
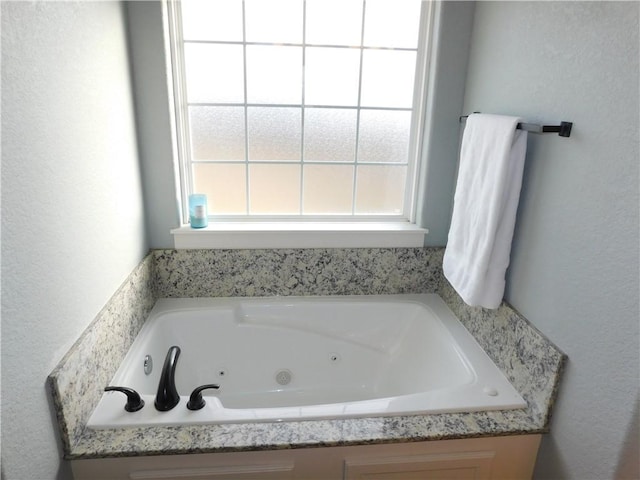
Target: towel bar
563,130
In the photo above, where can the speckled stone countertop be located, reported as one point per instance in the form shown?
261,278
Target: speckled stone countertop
528,359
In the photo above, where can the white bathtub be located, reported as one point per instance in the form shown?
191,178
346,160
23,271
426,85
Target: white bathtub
300,358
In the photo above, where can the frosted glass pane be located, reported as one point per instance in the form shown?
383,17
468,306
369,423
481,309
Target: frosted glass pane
387,78
274,74
274,133
212,20
392,23
274,189
334,22
380,189
332,76
384,136
225,186
217,133
278,21
215,73
328,189
329,134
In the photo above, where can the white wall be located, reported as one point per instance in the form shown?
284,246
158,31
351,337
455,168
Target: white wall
574,270
450,50
72,218
151,82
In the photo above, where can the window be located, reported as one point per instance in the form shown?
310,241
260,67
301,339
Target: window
300,109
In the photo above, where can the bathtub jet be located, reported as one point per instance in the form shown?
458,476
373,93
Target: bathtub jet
304,358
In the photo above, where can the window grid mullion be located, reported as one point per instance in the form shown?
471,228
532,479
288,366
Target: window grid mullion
246,112
275,44
285,162
302,106
357,152
296,105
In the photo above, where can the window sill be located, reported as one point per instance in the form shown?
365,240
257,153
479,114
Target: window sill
299,235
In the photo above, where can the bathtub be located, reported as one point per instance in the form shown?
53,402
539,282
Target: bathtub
304,358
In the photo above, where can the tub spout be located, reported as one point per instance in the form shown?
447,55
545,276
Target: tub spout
168,396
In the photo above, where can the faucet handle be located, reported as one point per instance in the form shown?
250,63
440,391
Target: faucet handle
196,402
134,402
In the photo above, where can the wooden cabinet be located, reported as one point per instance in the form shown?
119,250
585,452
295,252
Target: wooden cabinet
511,457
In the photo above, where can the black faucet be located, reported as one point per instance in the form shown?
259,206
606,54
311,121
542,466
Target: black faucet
196,402
134,401
168,396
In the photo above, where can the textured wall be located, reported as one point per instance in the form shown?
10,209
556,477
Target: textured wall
450,51
574,269
72,222
151,82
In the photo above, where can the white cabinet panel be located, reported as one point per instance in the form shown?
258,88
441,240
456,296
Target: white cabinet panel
487,458
459,466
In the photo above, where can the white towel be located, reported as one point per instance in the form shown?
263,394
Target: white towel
484,209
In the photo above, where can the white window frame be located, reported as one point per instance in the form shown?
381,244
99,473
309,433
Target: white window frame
300,231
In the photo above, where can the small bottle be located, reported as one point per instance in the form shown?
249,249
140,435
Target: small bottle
198,210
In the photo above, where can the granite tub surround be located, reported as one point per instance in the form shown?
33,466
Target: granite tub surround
305,434
287,272
78,381
528,359
531,362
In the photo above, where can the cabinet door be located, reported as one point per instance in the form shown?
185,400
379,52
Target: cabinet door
282,471
181,467
458,466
